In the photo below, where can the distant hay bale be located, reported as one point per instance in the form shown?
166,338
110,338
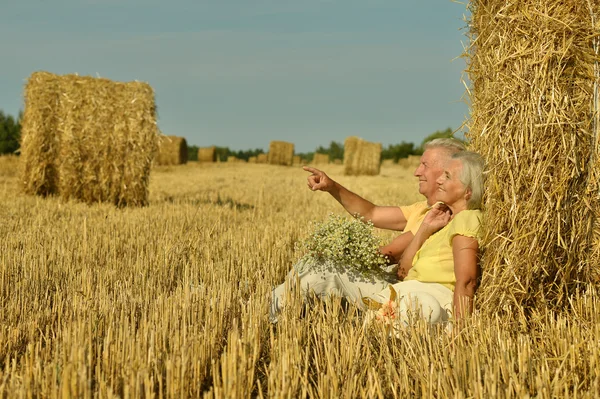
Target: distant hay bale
361,157
535,73
9,165
281,153
172,150
88,139
337,161
262,158
207,154
388,162
320,159
296,160
410,162
232,159
252,160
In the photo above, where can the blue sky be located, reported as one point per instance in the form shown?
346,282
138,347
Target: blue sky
240,73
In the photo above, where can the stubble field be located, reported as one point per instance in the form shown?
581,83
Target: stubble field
171,300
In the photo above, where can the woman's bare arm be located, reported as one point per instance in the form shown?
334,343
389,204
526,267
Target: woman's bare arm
466,270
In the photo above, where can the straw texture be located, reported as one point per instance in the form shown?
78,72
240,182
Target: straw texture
533,65
361,157
88,139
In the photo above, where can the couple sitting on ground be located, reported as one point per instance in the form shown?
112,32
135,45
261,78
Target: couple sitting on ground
434,263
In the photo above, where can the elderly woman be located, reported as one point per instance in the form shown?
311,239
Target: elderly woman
442,258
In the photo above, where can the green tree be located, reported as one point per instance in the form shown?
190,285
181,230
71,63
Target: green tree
397,151
222,153
10,133
335,151
246,154
193,152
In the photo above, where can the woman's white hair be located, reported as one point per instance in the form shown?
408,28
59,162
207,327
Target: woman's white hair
471,176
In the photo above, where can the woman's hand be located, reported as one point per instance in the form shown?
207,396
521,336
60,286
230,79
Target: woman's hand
437,218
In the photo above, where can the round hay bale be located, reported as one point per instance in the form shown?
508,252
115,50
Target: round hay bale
172,150
262,158
281,153
361,157
320,159
89,139
207,154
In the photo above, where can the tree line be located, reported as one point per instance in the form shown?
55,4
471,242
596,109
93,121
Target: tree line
10,134
335,151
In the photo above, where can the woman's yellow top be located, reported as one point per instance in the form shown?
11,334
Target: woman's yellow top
434,261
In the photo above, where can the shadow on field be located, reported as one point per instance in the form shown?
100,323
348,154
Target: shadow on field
226,202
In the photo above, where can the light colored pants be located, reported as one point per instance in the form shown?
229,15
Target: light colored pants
431,301
326,279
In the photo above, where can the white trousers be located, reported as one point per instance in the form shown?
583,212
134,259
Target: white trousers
431,301
324,280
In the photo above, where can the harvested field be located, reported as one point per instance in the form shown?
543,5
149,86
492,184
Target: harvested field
171,300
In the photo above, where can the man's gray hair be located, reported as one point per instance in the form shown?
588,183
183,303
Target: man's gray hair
471,176
452,145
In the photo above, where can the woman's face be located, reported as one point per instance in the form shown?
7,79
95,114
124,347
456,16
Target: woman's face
450,189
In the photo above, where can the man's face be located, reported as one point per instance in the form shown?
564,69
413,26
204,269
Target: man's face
428,171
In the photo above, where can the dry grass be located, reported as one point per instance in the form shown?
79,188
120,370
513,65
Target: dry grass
171,300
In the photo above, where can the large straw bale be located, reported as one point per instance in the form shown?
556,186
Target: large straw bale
262,158
361,157
533,65
207,154
281,153
172,150
88,139
320,159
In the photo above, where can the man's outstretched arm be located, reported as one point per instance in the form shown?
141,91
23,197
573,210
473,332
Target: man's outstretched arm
383,217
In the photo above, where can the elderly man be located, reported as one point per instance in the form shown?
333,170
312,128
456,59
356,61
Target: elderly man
405,218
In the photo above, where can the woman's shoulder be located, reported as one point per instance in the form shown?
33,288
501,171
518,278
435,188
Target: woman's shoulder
469,214
467,222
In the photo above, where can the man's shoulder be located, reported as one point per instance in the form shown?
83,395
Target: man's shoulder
417,206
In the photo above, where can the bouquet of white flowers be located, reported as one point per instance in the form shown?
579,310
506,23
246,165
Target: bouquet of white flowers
344,243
